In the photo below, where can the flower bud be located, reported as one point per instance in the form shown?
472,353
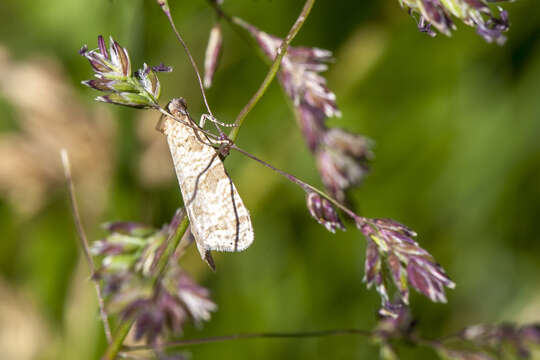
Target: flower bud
213,53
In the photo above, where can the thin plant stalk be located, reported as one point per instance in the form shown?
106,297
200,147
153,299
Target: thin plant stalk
167,11
171,248
84,241
119,336
305,186
273,68
381,334
269,335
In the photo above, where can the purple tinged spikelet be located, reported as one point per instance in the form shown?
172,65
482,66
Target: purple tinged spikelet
373,271
425,27
179,299
100,84
125,99
162,68
213,54
434,12
323,211
102,47
195,298
395,321
113,64
148,79
399,276
343,160
119,57
475,13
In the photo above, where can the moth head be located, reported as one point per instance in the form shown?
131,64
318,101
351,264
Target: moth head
178,106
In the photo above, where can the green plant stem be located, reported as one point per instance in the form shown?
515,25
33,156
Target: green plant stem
124,327
119,335
273,68
84,241
171,248
215,339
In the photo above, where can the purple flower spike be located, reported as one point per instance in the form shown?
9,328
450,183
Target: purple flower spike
299,74
406,262
342,157
127,271
115,79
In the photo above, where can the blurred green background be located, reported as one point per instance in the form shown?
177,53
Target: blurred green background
456,123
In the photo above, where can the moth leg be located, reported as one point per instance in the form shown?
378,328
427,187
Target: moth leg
210,118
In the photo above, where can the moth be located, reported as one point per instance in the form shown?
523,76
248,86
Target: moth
219,221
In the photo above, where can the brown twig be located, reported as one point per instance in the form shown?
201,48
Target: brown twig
84,241
167,11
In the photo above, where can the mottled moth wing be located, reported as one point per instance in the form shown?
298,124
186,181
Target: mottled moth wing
219,220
